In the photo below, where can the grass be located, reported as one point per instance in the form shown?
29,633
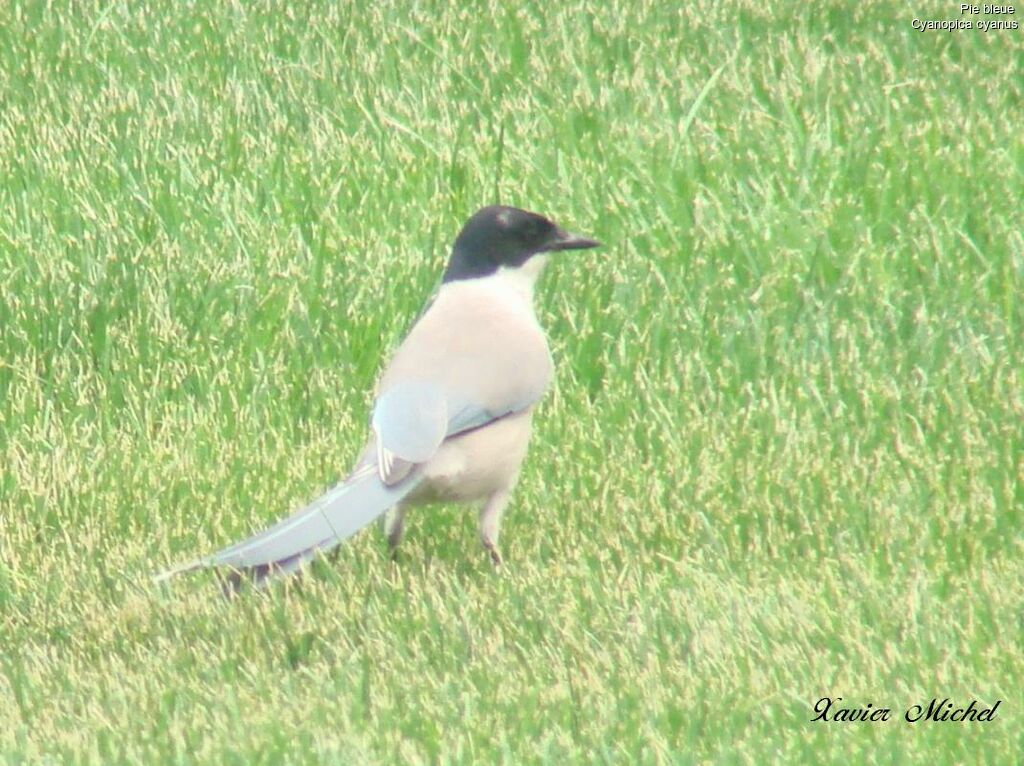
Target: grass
783,458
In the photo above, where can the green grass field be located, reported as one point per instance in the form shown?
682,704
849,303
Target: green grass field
783,458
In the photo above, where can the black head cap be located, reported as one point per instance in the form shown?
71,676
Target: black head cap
505,236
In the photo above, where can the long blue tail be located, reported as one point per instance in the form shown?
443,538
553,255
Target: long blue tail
327,521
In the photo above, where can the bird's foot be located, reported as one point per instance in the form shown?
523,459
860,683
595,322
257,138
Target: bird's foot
494,553
393,541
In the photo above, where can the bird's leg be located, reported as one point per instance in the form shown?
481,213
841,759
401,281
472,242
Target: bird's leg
490,524
392,524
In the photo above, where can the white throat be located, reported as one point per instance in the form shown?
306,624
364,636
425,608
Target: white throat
508,285
522,279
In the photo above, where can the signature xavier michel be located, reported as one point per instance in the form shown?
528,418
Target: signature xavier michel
937,710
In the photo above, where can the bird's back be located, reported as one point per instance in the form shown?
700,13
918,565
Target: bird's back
478,338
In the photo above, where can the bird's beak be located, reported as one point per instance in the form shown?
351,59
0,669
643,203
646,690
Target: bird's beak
564,240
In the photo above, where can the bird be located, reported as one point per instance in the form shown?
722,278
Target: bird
453,410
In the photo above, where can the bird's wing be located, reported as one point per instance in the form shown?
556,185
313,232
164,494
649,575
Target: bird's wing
412,418
466,414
